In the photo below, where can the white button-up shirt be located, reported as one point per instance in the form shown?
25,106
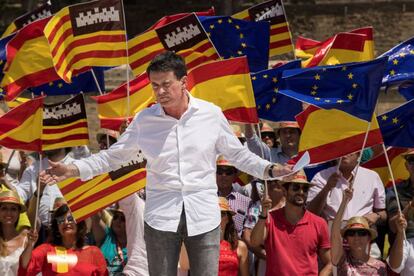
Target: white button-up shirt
181,163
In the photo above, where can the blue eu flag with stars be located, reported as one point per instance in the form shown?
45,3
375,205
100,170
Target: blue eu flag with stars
352,88
233,38
397,126
270,104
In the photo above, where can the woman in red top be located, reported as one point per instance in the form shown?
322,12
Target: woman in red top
66,255
233,252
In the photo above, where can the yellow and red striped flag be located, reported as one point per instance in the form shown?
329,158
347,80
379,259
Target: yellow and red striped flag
21,127
65,124
184,36
29,62
353,46
272,11
16,102
397,162
171,18
227,84
87,198
112,107
85,35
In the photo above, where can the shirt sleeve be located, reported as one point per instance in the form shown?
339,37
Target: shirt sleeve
36,261
111,159
236,154
133,207
314,190
406,248
379,194
256,146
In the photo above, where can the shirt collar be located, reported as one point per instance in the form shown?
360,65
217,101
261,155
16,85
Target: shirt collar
192,106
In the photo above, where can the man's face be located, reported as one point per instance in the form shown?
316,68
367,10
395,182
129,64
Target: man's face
297,193
349,161
225,177
409,164
168,90
289,137
269,138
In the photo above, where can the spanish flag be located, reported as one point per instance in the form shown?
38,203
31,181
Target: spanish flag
184,36
353,46
29,62
397,161
65,124
85,35
227,84
87,198
21,127
113,107
171,18
330,134
273,12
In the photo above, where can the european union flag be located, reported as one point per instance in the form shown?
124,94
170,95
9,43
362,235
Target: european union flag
3,58
397,126
233,38
352,88
81,83
406,89
271,105
400,63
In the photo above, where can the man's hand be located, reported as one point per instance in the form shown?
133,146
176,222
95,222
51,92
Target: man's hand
266,205
281,170
348,193
372,218
32,237
58,172
400,223
332,180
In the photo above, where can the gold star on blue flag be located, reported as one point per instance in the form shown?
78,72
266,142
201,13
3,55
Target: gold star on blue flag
354,90
233,37
278,107
397,126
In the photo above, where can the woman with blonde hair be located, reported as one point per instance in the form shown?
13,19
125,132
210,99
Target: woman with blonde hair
12,241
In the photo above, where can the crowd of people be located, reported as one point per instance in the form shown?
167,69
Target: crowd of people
211,205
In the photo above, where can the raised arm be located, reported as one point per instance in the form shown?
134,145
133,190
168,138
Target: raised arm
259,233
396,257
98,228
317,204
337,250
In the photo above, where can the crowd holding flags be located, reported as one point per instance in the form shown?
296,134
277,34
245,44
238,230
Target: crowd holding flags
50,52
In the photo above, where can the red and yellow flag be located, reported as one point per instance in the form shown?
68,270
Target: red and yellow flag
85,35
326,139
29,62
171,18
184,36
113,107
87,198
272,11
65,124
21,127
353,46
227,84
397,161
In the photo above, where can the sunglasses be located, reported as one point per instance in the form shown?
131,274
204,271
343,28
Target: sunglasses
63,219
359,233
225,171
296,187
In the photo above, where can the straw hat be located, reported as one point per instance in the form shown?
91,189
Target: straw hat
267,128
221,161
299,177
59,201
224,206
358,223
12,197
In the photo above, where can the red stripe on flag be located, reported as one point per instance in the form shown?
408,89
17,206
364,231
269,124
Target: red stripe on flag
34,145
145,59
113,123
280,43
71,186
242,114
66,139
64,129
199,60
62,38
280,30
58,25
143,45
82,182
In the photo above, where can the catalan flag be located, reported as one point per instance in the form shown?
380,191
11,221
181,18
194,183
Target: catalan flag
353,46
353,88
235,37
325,139
171,18
271,105
40,12
273,12
21,127
185,36
85,35
87,198
112,107
227,84
397,162
65,124
29,62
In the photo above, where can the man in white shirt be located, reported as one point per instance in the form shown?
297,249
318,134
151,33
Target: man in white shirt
180,137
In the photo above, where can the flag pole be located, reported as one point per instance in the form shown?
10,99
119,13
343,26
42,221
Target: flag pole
38,192
127,64
288,27
96,82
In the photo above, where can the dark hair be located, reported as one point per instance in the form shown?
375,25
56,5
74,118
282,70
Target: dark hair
168,61
80,232
230,233
3,244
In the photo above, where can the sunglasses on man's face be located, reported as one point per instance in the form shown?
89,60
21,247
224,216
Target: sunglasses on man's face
225,171
296,187
63,219
359,233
